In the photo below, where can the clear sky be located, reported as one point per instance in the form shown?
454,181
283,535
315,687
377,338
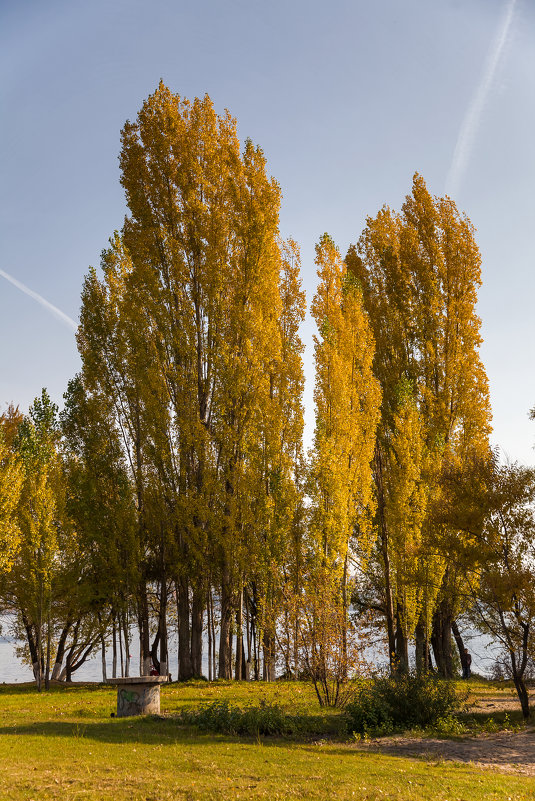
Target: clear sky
347,98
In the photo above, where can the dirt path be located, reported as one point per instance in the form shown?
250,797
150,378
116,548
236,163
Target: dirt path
511,752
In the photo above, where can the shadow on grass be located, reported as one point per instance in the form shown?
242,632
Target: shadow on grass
56,688
167,731
503,749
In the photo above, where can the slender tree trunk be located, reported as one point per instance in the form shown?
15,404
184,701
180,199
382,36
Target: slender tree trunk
441,639
209,627
256,650
40,659
39,677
239,666
345,605
383,534
214,655
185,671
114,648
71,653
268,643
48,649
119,627
126,645
197,611
103,655
102,648
60,653
155,662
32,645
460,644
248,635
423,660
518,679
225,631
402,645
68,671
162,627
144,631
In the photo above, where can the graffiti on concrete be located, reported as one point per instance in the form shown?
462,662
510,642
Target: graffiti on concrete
127,702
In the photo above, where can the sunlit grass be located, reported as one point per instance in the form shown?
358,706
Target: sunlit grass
64,744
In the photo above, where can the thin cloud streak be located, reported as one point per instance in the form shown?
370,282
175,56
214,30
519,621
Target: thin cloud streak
467,134
40,299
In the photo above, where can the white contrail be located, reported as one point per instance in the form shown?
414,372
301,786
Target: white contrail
465,140
40,299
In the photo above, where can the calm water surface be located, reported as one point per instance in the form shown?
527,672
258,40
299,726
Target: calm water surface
13,670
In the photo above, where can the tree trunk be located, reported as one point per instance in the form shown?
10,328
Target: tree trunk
214,656
32,645
225,635
144,631
268,643
518,678
60,653
402,646
420,648
441,639
197,610
155,662
185,671
383,533
103,654
71,652
114,649
48,650
239,639
126,646
209,628
162,628
460,645
522,696
248,634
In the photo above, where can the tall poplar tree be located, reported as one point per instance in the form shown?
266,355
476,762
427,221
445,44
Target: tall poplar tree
347,399
420,272
183,335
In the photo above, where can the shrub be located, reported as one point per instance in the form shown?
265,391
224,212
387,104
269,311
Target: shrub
402,702
254,720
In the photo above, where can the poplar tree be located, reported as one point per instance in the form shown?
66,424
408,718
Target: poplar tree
183,335
45,534
420,272
347,399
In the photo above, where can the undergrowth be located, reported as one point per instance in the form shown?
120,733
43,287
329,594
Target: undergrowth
224,718
388,704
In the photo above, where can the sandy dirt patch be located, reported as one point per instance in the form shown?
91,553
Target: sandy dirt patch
511,752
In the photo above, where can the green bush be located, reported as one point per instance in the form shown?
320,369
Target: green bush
403,702
254,720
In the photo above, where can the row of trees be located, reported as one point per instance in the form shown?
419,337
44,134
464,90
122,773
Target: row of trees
173,486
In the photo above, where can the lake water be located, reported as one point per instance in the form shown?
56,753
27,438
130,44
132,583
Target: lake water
12,669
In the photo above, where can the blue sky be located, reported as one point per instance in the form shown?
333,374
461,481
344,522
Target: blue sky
347,99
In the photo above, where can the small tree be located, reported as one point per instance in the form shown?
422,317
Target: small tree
44,538
502,581
331,644
491,508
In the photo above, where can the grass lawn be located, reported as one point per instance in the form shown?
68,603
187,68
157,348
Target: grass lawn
64,745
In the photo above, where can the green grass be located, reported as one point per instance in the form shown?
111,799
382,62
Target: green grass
64,744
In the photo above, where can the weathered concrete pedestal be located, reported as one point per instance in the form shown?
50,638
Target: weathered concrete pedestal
138,695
